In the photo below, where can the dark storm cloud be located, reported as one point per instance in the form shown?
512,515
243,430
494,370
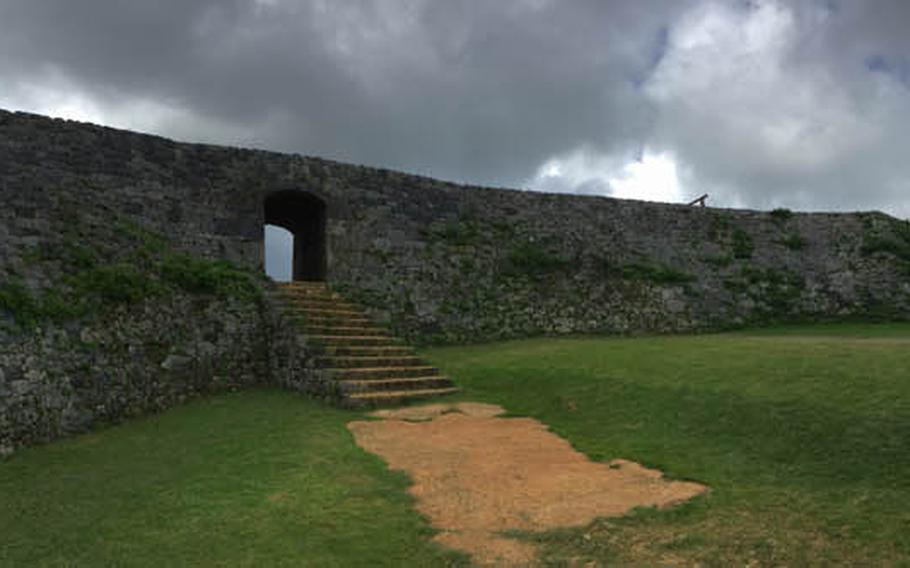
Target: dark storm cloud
470,90
763,103
775,103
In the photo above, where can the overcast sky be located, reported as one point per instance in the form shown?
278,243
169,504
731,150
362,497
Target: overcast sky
802,104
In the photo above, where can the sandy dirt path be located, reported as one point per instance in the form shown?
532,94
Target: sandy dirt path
477,475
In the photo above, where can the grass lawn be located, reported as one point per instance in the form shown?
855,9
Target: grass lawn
802,433
260,478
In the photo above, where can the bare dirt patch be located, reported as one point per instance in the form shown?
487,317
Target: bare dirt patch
477,475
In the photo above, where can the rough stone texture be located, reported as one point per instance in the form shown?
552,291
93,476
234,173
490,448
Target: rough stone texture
65,378
142,358
437,261
291,361
442,262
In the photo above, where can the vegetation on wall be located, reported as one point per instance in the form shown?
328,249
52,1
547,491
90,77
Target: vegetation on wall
742,244
719,260
718,226
455,233
119,264
781,215
793,241
895,242
656,273
775,291
531,258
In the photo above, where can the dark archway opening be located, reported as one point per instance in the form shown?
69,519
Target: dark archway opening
303,215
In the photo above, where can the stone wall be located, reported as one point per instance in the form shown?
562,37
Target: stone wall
62,379
105,311
447,263
508,264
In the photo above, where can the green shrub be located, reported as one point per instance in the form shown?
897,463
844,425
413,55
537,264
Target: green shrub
719,260
202,276
720,224
28,309
657,273
777,292
888,245
897,244
781,215
116,263
794,241
17,301
742,244
119,283
455,233
530,258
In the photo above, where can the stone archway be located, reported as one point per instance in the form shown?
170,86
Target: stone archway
303,214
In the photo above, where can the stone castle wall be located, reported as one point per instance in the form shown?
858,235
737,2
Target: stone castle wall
438,262
443,262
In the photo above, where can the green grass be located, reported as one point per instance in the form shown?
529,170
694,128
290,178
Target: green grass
802,433
259,478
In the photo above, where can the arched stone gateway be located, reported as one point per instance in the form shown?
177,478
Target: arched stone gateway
303,214
447,263
437,261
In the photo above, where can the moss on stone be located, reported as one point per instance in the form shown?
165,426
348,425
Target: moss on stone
794,241
742,244
656,273
530,258
119,263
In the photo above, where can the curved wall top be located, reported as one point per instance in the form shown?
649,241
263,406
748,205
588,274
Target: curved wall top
443,261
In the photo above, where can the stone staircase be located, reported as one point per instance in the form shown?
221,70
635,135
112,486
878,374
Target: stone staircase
369,367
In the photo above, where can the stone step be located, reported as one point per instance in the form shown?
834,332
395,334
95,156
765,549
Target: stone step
315,304
341,330
293,295
390,398
348,321
347,362
368,373
301,295
354,340
396,384
369,367
303,285
366,350
320,312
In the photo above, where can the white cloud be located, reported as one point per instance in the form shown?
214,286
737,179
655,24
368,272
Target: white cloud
51,93
761,104
652,176
53,96
279,250
764,126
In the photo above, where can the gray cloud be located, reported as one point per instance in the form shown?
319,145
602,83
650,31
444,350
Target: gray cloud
809,111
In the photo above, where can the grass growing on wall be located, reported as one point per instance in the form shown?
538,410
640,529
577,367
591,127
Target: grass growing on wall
533,259
802,434
657,273
793,241
894,242
123,263
781,215
742,244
